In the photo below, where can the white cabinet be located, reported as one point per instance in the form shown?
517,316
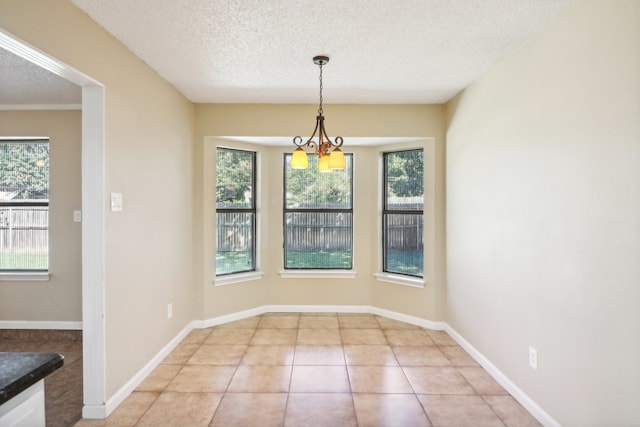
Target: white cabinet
26,409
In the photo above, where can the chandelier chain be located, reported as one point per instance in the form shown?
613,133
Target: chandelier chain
320,108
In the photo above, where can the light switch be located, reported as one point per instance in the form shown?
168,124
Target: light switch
77,216
116,202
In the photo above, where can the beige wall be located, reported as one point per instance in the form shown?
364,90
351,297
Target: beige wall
148,140
543,215
417,121
60,298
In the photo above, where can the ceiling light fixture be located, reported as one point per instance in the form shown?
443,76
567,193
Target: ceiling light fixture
330,157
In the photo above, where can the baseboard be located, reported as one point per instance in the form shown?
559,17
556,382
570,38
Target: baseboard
318,309
39,324
221,320
114,401
530,405
418,321
94,412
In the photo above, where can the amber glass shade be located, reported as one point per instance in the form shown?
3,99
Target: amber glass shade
336,159
323,163
299,159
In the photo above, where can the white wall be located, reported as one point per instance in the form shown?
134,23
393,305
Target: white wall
543,215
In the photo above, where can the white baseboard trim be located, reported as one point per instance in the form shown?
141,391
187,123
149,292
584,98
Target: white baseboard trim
530,405
318,309
423,323
38,324
94,412
221,320
114,401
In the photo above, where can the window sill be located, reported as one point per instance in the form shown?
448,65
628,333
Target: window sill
317,274
31,276
399,279
237,278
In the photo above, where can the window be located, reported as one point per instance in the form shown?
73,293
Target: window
402,215
235,211
24,205
318,212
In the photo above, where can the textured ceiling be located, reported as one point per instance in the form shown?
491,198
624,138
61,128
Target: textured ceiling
25,84
382,51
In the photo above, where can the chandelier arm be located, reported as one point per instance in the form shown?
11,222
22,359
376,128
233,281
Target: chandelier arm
310,142
298,141
315,129
338,139
313,145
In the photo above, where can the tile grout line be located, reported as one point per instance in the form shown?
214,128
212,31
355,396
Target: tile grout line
286,404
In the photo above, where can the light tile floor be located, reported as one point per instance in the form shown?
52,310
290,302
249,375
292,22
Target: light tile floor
284,369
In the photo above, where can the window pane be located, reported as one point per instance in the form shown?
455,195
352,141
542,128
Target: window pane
318,240
24,210
234,242
234,178
404,180
403,244
311,189
235,211
24,238
24,171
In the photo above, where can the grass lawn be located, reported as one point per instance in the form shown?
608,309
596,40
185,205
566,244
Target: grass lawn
397,261
23,261
229,262
337,259
405,262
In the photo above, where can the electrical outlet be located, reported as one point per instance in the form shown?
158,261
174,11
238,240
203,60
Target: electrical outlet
533,358
169,311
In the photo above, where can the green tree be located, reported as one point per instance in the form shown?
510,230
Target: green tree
24,169
234,177
309,186
405,176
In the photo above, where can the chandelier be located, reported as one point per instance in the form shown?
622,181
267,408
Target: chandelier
330,157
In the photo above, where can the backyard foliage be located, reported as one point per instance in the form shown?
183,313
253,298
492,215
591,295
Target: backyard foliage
24,170
308,187
405,174
234,178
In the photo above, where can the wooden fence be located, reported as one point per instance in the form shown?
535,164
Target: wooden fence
332,231
24,229
233,231
405,232
329,231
